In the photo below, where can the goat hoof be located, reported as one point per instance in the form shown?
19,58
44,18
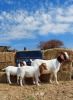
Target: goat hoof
10,83
38,84
21,85
57,82
34,83
50,82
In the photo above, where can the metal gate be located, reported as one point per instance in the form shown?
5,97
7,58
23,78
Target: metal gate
27,55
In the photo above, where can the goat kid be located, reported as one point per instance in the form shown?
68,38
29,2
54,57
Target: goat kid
22,63
30,71
11,70
52,65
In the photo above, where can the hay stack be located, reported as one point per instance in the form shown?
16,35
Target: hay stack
49,54
3,78
6,59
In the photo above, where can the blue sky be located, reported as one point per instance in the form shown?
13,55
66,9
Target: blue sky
24,23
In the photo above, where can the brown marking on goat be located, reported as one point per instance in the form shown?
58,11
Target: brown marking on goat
22,63
42,67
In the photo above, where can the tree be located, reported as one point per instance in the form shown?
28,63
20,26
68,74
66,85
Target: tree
41,45
50,44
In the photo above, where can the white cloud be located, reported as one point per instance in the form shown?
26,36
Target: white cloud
54,29
22,25
66,19
67,2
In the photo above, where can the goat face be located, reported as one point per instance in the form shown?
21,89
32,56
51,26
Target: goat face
22,63
63,57
42,68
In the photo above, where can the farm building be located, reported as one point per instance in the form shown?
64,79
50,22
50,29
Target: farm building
11,58
4,48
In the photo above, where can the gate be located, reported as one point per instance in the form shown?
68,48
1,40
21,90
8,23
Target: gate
27,55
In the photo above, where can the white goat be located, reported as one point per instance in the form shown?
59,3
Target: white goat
52,65
30,71
11,70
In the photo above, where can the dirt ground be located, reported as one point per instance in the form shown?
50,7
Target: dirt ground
46,91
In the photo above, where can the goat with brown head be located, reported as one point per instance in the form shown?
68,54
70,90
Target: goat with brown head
63,56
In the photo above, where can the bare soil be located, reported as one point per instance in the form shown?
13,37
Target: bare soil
46,91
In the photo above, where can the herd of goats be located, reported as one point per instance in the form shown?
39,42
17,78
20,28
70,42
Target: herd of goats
37,68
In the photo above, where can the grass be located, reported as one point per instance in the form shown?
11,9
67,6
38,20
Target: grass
31,98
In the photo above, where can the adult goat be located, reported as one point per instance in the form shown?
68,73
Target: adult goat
52,65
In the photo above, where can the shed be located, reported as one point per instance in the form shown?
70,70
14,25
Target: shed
4,48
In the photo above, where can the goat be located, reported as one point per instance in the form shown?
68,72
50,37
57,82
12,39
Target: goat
52,65
12,70
22,63
30,71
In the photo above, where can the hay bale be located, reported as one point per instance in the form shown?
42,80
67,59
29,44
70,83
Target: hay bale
29,80
64,76
49,54
44,77
64,73
1,57
6,59
66,66
4,64
3,78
